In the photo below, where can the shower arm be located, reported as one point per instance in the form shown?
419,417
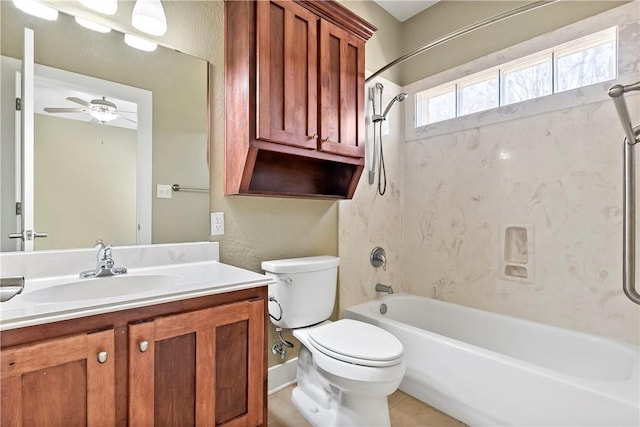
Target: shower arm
462,31
632,137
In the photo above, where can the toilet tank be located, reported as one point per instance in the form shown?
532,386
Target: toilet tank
304,291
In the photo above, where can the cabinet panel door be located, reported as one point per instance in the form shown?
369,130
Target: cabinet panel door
341,91
60,382
198,368
286,74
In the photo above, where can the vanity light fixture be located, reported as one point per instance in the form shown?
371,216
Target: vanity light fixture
140,43
92,25
107,7
37,8
148,16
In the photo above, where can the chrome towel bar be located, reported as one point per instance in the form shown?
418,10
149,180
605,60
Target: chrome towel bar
178,187
632,136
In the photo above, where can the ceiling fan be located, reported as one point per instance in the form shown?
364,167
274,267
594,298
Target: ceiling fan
102,110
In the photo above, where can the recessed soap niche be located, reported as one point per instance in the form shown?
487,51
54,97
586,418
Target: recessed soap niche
517,252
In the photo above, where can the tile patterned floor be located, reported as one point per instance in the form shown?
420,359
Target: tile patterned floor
405,411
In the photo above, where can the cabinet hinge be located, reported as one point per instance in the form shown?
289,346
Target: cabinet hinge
18,104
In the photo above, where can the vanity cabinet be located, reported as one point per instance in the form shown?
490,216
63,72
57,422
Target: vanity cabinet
294,98
196,368
199,361
65,381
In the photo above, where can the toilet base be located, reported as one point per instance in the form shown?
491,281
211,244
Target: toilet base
351,410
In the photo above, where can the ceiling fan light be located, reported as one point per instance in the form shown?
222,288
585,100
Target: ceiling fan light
36,8
92,25
140,43
103,116
148,16
107,7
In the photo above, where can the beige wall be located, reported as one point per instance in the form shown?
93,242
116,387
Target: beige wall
78,202
386,43
449,15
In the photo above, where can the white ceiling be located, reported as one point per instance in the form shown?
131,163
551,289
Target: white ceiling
405,9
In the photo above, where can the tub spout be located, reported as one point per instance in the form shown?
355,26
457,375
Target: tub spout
383,288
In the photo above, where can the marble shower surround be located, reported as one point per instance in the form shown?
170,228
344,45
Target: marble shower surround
559,171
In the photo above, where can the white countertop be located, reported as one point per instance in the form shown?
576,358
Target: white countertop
191,277
192,280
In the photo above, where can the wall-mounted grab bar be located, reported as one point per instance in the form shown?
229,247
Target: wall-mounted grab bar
629,191
178,187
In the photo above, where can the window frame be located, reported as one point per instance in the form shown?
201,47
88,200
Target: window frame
579,44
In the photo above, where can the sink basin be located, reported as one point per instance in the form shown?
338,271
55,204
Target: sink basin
101,288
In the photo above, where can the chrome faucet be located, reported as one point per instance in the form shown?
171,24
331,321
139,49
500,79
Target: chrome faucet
105,265
384,288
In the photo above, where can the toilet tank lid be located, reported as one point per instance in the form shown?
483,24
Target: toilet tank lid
301,265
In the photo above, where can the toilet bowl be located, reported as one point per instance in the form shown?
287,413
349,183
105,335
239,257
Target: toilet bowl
347,368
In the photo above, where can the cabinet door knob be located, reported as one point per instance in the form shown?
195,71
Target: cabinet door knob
314,136
327,139
102,356
144,346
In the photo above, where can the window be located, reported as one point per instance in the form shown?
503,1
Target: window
478,93
439,104
581,62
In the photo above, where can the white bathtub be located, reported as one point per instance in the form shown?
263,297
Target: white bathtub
488,369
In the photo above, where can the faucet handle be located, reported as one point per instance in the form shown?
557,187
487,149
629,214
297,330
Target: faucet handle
378,258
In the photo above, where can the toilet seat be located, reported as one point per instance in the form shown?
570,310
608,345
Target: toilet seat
357,342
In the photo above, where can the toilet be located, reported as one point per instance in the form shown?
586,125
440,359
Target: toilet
346,368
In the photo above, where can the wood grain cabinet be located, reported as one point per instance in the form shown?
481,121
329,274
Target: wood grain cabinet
60,382
193,362
196,368
294,98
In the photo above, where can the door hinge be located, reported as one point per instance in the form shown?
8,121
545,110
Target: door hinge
18,208
18,104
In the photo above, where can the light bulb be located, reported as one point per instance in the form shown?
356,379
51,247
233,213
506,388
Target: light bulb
140,43
92,25
36,8
148,16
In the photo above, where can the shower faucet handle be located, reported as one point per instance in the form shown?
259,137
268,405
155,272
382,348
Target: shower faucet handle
378,258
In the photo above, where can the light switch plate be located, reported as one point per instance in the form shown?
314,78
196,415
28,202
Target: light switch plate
164,191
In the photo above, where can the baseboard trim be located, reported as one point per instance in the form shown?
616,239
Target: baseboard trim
282,375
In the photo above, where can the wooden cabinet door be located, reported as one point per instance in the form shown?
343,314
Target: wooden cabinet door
199,368
341,91
287,74
61,382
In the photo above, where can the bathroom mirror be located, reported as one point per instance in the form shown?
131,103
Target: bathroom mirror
100,162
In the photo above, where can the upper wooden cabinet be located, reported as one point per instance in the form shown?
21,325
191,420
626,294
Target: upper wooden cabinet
287,74
294,98
341,91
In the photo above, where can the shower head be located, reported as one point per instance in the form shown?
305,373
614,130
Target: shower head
399,97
